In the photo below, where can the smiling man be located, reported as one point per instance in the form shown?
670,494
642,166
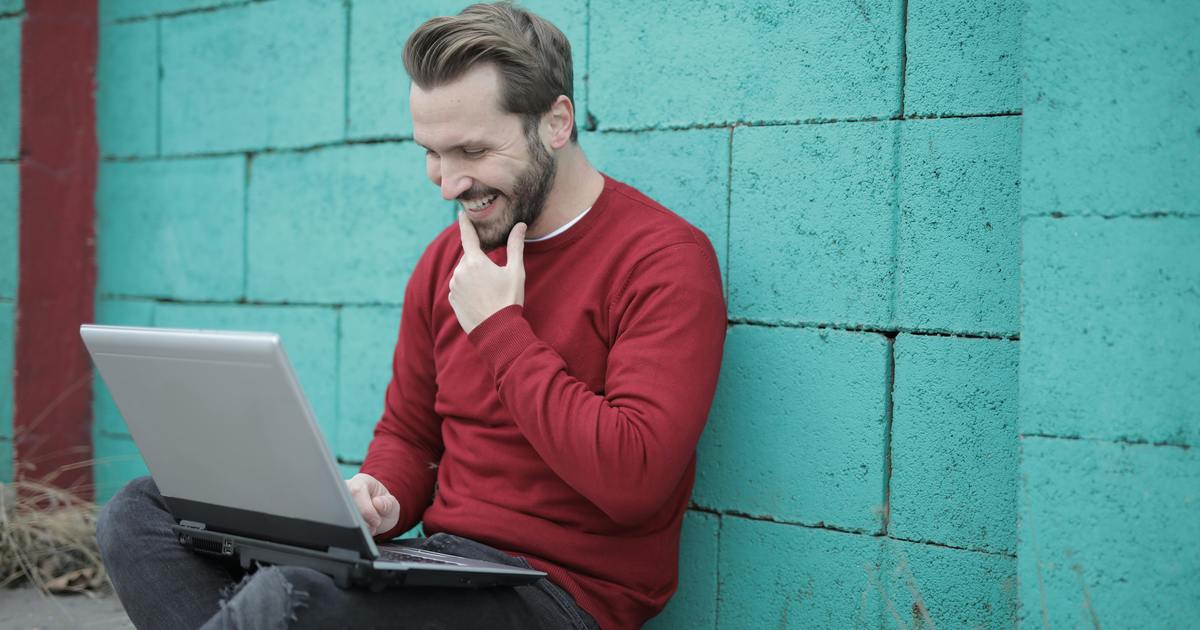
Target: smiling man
557,357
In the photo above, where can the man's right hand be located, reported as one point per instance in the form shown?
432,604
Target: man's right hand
378,507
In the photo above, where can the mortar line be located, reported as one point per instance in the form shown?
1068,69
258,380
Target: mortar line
764,518
349,4
797,122
158,113
728,212
903,55
246,177
12,14
930,543
717,593
882,330
1122,441
15,160
1155,214
238,302
888,415
261,151
337,384
182,12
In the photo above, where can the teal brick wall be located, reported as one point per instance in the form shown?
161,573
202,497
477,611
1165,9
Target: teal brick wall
918,206
11,13
1110,477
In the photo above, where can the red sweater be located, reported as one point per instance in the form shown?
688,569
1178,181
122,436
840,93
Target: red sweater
565,430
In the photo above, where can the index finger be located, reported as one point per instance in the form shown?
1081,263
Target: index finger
470,239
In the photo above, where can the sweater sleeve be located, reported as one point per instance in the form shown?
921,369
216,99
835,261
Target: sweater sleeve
626,449
407,443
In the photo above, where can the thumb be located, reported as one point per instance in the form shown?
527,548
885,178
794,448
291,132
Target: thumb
516,246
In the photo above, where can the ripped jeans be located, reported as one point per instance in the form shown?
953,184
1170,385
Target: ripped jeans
164,585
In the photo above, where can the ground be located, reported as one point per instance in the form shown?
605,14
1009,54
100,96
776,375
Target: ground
26,608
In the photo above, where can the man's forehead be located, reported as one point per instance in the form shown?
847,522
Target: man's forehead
460,111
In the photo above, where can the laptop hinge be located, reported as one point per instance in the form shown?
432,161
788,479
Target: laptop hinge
191,525
344,554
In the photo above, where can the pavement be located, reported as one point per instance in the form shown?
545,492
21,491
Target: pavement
27,608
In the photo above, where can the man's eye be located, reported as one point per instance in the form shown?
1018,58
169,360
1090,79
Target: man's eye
473,152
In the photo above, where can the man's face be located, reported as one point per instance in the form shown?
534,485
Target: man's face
481,156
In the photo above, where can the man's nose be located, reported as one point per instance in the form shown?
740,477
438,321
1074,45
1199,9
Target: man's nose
453,182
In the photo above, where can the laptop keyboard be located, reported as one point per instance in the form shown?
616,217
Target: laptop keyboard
396,555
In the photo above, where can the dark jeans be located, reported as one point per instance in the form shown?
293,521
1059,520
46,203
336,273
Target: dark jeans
164,585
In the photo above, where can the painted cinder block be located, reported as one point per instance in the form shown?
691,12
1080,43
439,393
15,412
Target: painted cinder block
107,417
7,342
10,229
743,61
254,76
962,57
11,6
926,586
117,460
172,228
954,442
379,85
1109,328
796,431
686,171
127,89
785,576
694,604
309,337
958,262
1112,95
811,223
10,98
1108,535
368,341
362,215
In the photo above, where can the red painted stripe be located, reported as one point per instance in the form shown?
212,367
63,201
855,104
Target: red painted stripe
52,397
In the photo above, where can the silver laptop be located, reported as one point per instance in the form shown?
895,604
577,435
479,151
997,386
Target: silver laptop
236,452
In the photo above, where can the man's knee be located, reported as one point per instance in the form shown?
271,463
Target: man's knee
129,505
271,597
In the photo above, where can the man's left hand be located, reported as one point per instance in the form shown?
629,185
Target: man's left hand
479,287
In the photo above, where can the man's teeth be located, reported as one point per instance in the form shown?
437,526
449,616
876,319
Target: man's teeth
479,204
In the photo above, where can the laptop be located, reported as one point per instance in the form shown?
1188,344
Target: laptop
237,454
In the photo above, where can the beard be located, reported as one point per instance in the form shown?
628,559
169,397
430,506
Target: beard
528,197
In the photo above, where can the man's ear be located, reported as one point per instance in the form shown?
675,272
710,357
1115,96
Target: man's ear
561,121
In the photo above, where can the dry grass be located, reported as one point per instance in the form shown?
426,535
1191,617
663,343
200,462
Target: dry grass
48,538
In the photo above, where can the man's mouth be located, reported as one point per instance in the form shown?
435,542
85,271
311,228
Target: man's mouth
479,205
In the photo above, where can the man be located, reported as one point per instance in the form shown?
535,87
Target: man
558,353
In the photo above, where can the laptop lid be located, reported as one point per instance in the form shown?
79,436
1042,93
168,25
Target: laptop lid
228,435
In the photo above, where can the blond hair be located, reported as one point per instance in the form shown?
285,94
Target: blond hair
531,54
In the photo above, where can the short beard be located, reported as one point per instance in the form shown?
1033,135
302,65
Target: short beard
529,193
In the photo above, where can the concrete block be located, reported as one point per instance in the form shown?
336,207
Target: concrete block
784,576
1108,535
797,429
127,89
117,461
1110,327
172,228
811,223
361,215
743,62
106,417
309,338
130,9
959,234
10,229
10,98
686,171
7,343
694,604
954,442
963,57
924,586
367,343
379,85
253,77
1112,95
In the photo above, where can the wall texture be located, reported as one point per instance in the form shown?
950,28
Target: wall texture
1109,376
11,12
858,166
